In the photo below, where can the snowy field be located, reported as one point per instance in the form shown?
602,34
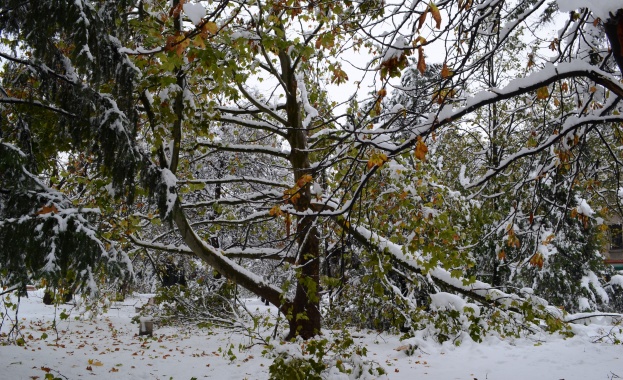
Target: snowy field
110,348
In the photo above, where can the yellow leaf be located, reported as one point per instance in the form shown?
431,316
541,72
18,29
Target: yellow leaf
421,40
440,96
436,15
198,42
210,27
377,159
542,93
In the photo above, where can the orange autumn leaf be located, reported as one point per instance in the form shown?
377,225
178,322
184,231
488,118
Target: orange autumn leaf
542,93
436,15
339,76
420,149
305,179
275,211
288,225
537,260
47,210
445,71
421,63
422,19
549,239
176,10
377,159
465,4
530,60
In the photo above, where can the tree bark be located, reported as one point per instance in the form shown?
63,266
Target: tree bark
614,32
305,319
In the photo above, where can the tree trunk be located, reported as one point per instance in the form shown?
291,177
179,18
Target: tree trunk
304,320
614,32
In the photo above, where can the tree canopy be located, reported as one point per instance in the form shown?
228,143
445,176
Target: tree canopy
388,163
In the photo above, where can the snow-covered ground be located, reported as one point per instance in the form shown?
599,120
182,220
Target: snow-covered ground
109,347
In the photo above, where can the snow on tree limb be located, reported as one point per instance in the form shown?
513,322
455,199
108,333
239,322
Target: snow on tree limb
477,290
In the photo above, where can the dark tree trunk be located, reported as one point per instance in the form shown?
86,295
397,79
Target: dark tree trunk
304,311
305,315
614,32
306,321
48,298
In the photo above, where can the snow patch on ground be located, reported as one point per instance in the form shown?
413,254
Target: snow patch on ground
109,348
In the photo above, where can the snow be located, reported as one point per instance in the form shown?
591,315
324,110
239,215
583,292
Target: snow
446,301
617,280
600,8
584,209
309,109
170,181
195,12
139,50
396,50
583,304
398,108
591,278
109,347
